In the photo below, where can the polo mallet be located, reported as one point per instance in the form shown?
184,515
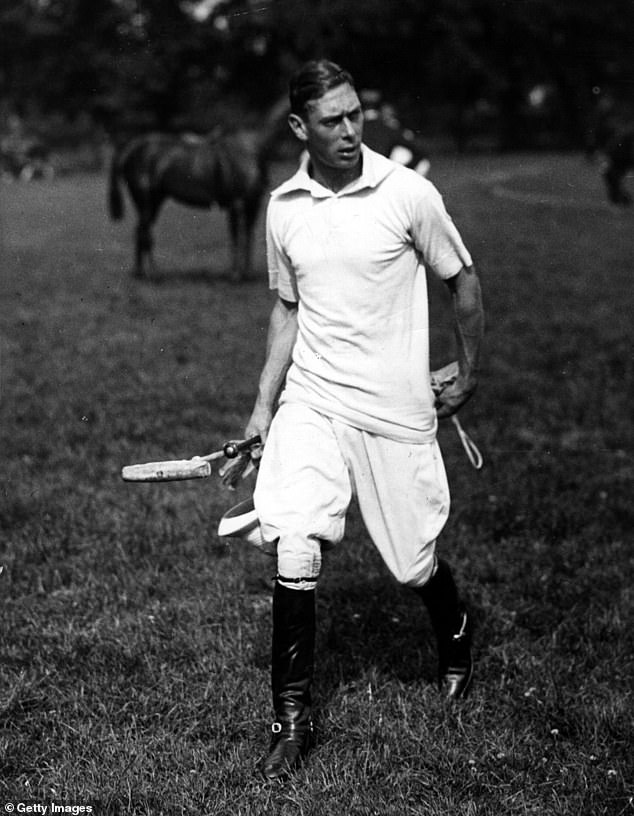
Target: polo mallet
198,467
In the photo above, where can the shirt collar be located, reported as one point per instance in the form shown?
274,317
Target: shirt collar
375,168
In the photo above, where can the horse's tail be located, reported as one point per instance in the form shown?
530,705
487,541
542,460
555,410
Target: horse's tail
115,196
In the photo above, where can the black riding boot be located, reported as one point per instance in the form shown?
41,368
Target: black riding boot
291,675
452,628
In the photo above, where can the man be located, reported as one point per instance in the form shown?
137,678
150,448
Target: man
348,237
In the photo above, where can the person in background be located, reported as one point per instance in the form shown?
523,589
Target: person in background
383,133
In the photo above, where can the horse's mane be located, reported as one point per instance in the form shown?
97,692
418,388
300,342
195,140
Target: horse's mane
274,127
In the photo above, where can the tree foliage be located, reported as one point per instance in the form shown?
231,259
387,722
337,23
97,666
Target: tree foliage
177,62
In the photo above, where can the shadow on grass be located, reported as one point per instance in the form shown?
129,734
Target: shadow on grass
381,626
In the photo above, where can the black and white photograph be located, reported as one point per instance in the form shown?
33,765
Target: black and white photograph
316,387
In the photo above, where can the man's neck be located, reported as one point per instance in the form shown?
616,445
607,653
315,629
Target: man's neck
332,178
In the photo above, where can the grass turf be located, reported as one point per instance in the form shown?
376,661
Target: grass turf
134,644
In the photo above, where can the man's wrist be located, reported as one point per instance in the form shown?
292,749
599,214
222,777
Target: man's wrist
264,404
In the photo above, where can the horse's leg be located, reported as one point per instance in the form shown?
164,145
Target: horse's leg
240,241
620,158
249,230
612,183
143,261
250,212
625,198
614,175
145,265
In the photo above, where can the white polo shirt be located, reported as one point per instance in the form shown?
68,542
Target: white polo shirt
354,261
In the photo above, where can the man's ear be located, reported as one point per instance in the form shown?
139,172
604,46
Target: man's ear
298,126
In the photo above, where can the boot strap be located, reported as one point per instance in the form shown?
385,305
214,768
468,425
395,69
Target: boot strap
292,728
463,628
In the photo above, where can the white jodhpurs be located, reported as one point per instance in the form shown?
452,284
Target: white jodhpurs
311,467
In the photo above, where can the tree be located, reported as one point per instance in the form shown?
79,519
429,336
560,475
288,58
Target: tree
173,62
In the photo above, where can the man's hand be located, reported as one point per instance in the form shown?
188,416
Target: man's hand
451,389
240,466
454,395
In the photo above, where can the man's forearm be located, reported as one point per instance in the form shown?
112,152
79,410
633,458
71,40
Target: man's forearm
469,321
279,351
469,329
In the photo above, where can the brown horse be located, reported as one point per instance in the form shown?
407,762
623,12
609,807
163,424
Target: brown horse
226,169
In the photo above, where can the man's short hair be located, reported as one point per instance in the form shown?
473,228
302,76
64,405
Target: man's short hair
313,80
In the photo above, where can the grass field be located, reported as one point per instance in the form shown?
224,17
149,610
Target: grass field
134,644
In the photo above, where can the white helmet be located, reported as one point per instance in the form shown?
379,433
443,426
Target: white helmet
241,521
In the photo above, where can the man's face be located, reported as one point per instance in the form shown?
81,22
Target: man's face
332,128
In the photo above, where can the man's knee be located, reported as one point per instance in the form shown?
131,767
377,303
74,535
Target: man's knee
298,560
417,574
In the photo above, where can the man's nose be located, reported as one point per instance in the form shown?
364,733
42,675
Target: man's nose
348,127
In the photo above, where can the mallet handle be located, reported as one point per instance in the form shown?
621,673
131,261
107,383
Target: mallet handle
232,449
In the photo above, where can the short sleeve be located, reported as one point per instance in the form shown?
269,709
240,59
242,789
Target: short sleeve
435,235
281,273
